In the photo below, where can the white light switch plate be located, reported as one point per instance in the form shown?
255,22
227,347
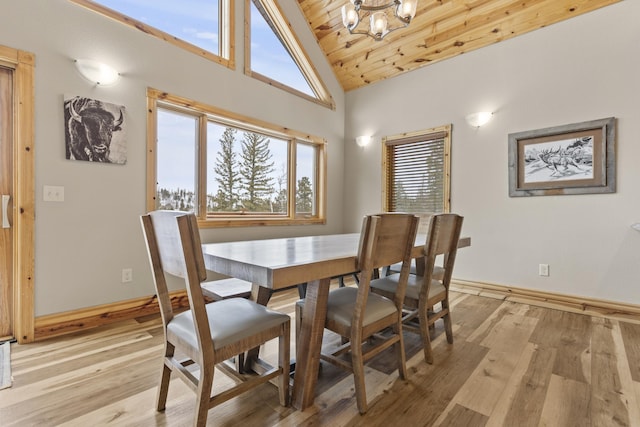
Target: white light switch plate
636,226
52,193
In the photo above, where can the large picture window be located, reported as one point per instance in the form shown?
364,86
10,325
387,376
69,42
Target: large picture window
416,171
231,170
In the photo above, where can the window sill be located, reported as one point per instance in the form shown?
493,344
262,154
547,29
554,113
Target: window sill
257,222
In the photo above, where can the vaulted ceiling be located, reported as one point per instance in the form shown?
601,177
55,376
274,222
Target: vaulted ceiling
441,29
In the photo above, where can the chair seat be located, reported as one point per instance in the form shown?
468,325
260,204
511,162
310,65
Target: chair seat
342,302
388,284
230,320
438,272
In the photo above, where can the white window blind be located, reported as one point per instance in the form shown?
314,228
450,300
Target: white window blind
417,172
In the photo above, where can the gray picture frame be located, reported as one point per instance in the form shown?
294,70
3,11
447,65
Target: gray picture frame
578,158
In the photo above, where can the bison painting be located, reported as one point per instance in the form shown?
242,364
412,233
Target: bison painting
94,131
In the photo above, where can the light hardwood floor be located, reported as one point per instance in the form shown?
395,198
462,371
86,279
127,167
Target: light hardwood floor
511,364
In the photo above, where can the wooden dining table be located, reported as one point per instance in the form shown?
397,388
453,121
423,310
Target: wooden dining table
273,264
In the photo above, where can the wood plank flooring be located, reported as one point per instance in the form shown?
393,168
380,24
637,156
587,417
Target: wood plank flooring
511,364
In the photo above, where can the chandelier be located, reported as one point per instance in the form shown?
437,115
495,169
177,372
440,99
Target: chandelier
356,11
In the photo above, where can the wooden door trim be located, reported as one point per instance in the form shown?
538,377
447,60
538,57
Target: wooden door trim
23,204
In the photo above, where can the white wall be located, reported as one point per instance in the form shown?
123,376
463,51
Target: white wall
83,243
582,69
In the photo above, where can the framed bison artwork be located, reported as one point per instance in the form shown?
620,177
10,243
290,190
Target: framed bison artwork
578,158
94,131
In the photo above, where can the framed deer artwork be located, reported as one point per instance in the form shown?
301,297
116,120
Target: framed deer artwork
578,158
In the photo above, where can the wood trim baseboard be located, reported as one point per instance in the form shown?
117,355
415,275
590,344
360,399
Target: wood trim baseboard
78,320
53,325
574,304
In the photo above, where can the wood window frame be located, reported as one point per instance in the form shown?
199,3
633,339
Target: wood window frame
226,31
282,29
439,133
159,99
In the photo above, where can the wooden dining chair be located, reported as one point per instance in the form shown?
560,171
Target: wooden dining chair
207,334
358,315
417,265
424,292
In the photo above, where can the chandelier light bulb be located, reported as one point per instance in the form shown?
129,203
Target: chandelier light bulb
350,16
407,9
379,24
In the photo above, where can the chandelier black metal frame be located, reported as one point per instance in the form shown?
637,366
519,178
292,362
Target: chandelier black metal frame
378,11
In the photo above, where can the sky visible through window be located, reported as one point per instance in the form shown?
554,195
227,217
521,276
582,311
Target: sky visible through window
194,21
270,58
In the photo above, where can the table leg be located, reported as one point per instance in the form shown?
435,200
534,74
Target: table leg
420,266
261,296
309,343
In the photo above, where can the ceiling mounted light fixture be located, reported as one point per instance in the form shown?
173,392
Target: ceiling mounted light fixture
97,72
379,12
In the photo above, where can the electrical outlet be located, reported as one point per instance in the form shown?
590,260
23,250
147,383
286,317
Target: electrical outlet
543,269
127,275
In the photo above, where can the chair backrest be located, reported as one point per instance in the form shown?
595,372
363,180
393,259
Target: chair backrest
385,239
442,239
174,247
423,225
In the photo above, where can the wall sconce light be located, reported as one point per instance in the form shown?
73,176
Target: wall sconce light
363,140
97,72
479,119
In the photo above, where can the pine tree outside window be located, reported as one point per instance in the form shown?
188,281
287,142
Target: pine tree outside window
231,170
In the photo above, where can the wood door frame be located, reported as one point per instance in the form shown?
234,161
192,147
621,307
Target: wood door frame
23,209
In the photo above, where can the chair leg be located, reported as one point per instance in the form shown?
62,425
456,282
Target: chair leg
165,377
426,338
239,363
302,290
298,309
447,322
204,394
284,362
357,363
432,326
400,354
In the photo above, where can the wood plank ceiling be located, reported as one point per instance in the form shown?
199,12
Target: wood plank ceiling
441,29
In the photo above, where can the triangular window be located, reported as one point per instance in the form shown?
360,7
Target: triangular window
274,54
